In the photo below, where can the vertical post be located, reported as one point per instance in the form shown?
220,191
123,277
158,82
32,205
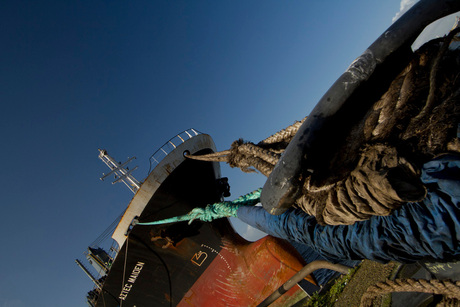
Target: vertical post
304,272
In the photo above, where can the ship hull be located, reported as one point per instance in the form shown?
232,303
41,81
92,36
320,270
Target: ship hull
144,273
201,264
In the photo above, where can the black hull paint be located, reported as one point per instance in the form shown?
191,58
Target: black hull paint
146,274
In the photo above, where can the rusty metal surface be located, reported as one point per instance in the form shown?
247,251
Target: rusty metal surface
244,275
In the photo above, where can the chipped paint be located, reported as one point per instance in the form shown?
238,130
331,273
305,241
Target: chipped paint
245,275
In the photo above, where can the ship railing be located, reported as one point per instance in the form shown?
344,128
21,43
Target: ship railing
114,249
170,145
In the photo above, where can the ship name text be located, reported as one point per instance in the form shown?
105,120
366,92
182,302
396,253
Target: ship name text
131,280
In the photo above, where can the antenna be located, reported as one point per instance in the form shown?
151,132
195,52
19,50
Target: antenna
119,171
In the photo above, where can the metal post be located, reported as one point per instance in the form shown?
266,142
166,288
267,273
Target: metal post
306,270
88,273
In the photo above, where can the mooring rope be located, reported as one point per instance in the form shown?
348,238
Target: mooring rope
212,211
248,156
449,289
283,135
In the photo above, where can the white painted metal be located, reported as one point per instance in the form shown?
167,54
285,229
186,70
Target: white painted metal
119,171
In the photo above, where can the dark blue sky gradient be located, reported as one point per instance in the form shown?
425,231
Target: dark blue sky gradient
126,76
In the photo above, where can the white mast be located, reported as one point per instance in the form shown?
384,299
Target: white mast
119,171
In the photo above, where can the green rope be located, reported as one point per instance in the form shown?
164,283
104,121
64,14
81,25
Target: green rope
213,211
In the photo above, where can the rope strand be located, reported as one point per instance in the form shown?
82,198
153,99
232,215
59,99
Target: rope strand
450,290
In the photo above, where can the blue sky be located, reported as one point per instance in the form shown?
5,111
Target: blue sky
126,76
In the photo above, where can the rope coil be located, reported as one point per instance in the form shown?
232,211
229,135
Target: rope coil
376,170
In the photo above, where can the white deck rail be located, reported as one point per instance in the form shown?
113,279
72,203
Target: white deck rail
170,145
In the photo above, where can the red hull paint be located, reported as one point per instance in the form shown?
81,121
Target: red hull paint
245,275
